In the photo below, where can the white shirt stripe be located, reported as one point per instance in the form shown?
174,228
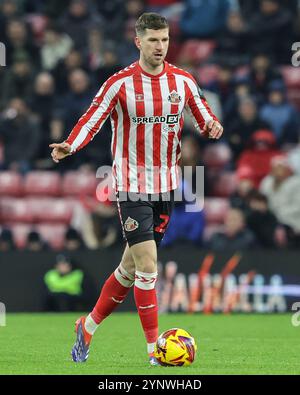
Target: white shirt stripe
131,106
166,109
119,146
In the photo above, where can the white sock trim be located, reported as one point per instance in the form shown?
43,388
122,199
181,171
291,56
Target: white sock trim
145,281
126,279
90,325
150,347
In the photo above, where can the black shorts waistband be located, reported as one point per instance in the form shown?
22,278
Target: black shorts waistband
124,196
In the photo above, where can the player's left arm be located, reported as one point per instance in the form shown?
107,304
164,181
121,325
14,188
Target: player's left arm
204,119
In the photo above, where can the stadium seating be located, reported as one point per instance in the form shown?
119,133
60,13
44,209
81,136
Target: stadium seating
10,184
43,201
34,210
44,183
54,234
20,232
15,210
173,51
32,202
50,210
79,183
197,51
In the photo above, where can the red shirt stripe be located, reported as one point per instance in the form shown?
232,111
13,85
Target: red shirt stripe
126,130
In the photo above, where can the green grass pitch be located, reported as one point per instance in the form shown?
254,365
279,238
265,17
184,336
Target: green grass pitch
227,344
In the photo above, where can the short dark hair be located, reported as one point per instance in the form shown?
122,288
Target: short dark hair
150,20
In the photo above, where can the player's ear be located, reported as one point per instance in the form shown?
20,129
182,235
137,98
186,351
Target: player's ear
137,42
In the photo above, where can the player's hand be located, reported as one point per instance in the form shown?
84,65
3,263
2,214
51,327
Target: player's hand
213,129
60,151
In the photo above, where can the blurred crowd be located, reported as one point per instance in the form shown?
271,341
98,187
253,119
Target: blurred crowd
58,53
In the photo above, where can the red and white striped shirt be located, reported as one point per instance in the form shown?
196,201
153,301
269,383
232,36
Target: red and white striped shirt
146,113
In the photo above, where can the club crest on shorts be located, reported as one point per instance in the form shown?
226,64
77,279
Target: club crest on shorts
130,224
174,98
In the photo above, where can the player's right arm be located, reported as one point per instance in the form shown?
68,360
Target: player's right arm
90,123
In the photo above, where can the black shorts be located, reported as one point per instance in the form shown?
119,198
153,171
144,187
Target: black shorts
144,216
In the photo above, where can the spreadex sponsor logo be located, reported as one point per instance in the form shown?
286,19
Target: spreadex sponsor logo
170,119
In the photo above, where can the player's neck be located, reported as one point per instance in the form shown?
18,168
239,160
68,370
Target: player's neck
150,69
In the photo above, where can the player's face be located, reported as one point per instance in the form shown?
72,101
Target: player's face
153,46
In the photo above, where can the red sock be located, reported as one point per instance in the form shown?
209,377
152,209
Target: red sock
113,292
146,303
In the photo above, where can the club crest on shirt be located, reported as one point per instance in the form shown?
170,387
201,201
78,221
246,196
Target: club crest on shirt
174,98
139,97
169,129
130,224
